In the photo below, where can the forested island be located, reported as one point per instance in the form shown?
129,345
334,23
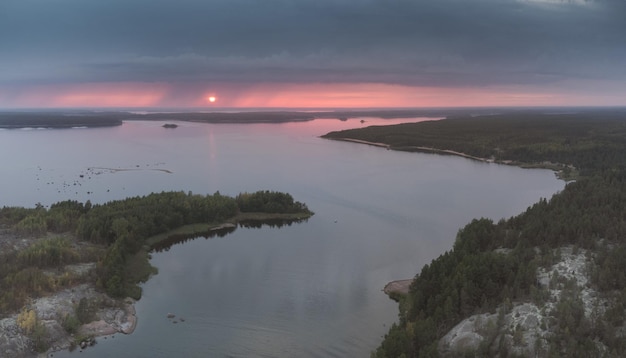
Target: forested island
550,282
84,118
87,118
17,120
73,247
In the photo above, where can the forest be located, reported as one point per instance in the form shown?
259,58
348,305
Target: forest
493,265
10,120
587,141
86,118
118,236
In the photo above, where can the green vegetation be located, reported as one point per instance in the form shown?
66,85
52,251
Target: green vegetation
70,323
118,236
590,142
49,253
30,272
28,321
56,120
494,264
269,202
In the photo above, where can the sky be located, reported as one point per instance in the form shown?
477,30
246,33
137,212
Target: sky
312,53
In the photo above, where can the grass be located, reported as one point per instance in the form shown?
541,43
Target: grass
202,228
186,230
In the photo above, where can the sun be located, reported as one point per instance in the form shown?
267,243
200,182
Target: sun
212,99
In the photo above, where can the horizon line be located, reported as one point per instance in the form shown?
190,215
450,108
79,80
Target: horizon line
299,109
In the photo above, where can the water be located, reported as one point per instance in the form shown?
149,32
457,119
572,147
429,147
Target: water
309,290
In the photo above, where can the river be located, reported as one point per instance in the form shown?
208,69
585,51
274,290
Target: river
312,289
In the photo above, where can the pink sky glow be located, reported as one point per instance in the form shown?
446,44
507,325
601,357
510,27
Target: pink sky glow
145,95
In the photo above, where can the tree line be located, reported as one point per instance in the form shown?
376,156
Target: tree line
117,231
590,141
493,264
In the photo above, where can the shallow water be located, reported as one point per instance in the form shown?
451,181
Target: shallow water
312,289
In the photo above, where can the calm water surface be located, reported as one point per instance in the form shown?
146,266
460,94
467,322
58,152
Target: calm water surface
308,290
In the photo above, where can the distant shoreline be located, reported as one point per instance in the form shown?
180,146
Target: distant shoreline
91,118
88,119
419,149
555,167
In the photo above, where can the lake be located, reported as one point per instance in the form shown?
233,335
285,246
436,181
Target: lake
312,289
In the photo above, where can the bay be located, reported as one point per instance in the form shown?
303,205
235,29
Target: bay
312,289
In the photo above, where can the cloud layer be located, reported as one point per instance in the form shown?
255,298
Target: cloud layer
416,43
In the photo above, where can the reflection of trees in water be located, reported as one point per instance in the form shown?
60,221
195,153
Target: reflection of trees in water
273,223
166,244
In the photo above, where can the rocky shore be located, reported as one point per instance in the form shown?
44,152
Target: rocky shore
398,287
524,328
111,317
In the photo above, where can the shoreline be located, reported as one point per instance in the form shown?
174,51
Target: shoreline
110,316
557,168
124,321
397,288
409,148
113,317
400,288
53,119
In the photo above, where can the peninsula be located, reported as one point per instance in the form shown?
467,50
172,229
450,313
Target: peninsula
548,282
70,273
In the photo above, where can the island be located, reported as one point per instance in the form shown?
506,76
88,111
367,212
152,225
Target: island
54,119
549,282
57,120
70,273
68,118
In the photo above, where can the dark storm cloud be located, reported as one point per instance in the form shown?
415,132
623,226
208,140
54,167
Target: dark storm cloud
437,42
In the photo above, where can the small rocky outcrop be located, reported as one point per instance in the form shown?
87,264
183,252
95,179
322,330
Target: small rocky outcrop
111,316
12,342
524,328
